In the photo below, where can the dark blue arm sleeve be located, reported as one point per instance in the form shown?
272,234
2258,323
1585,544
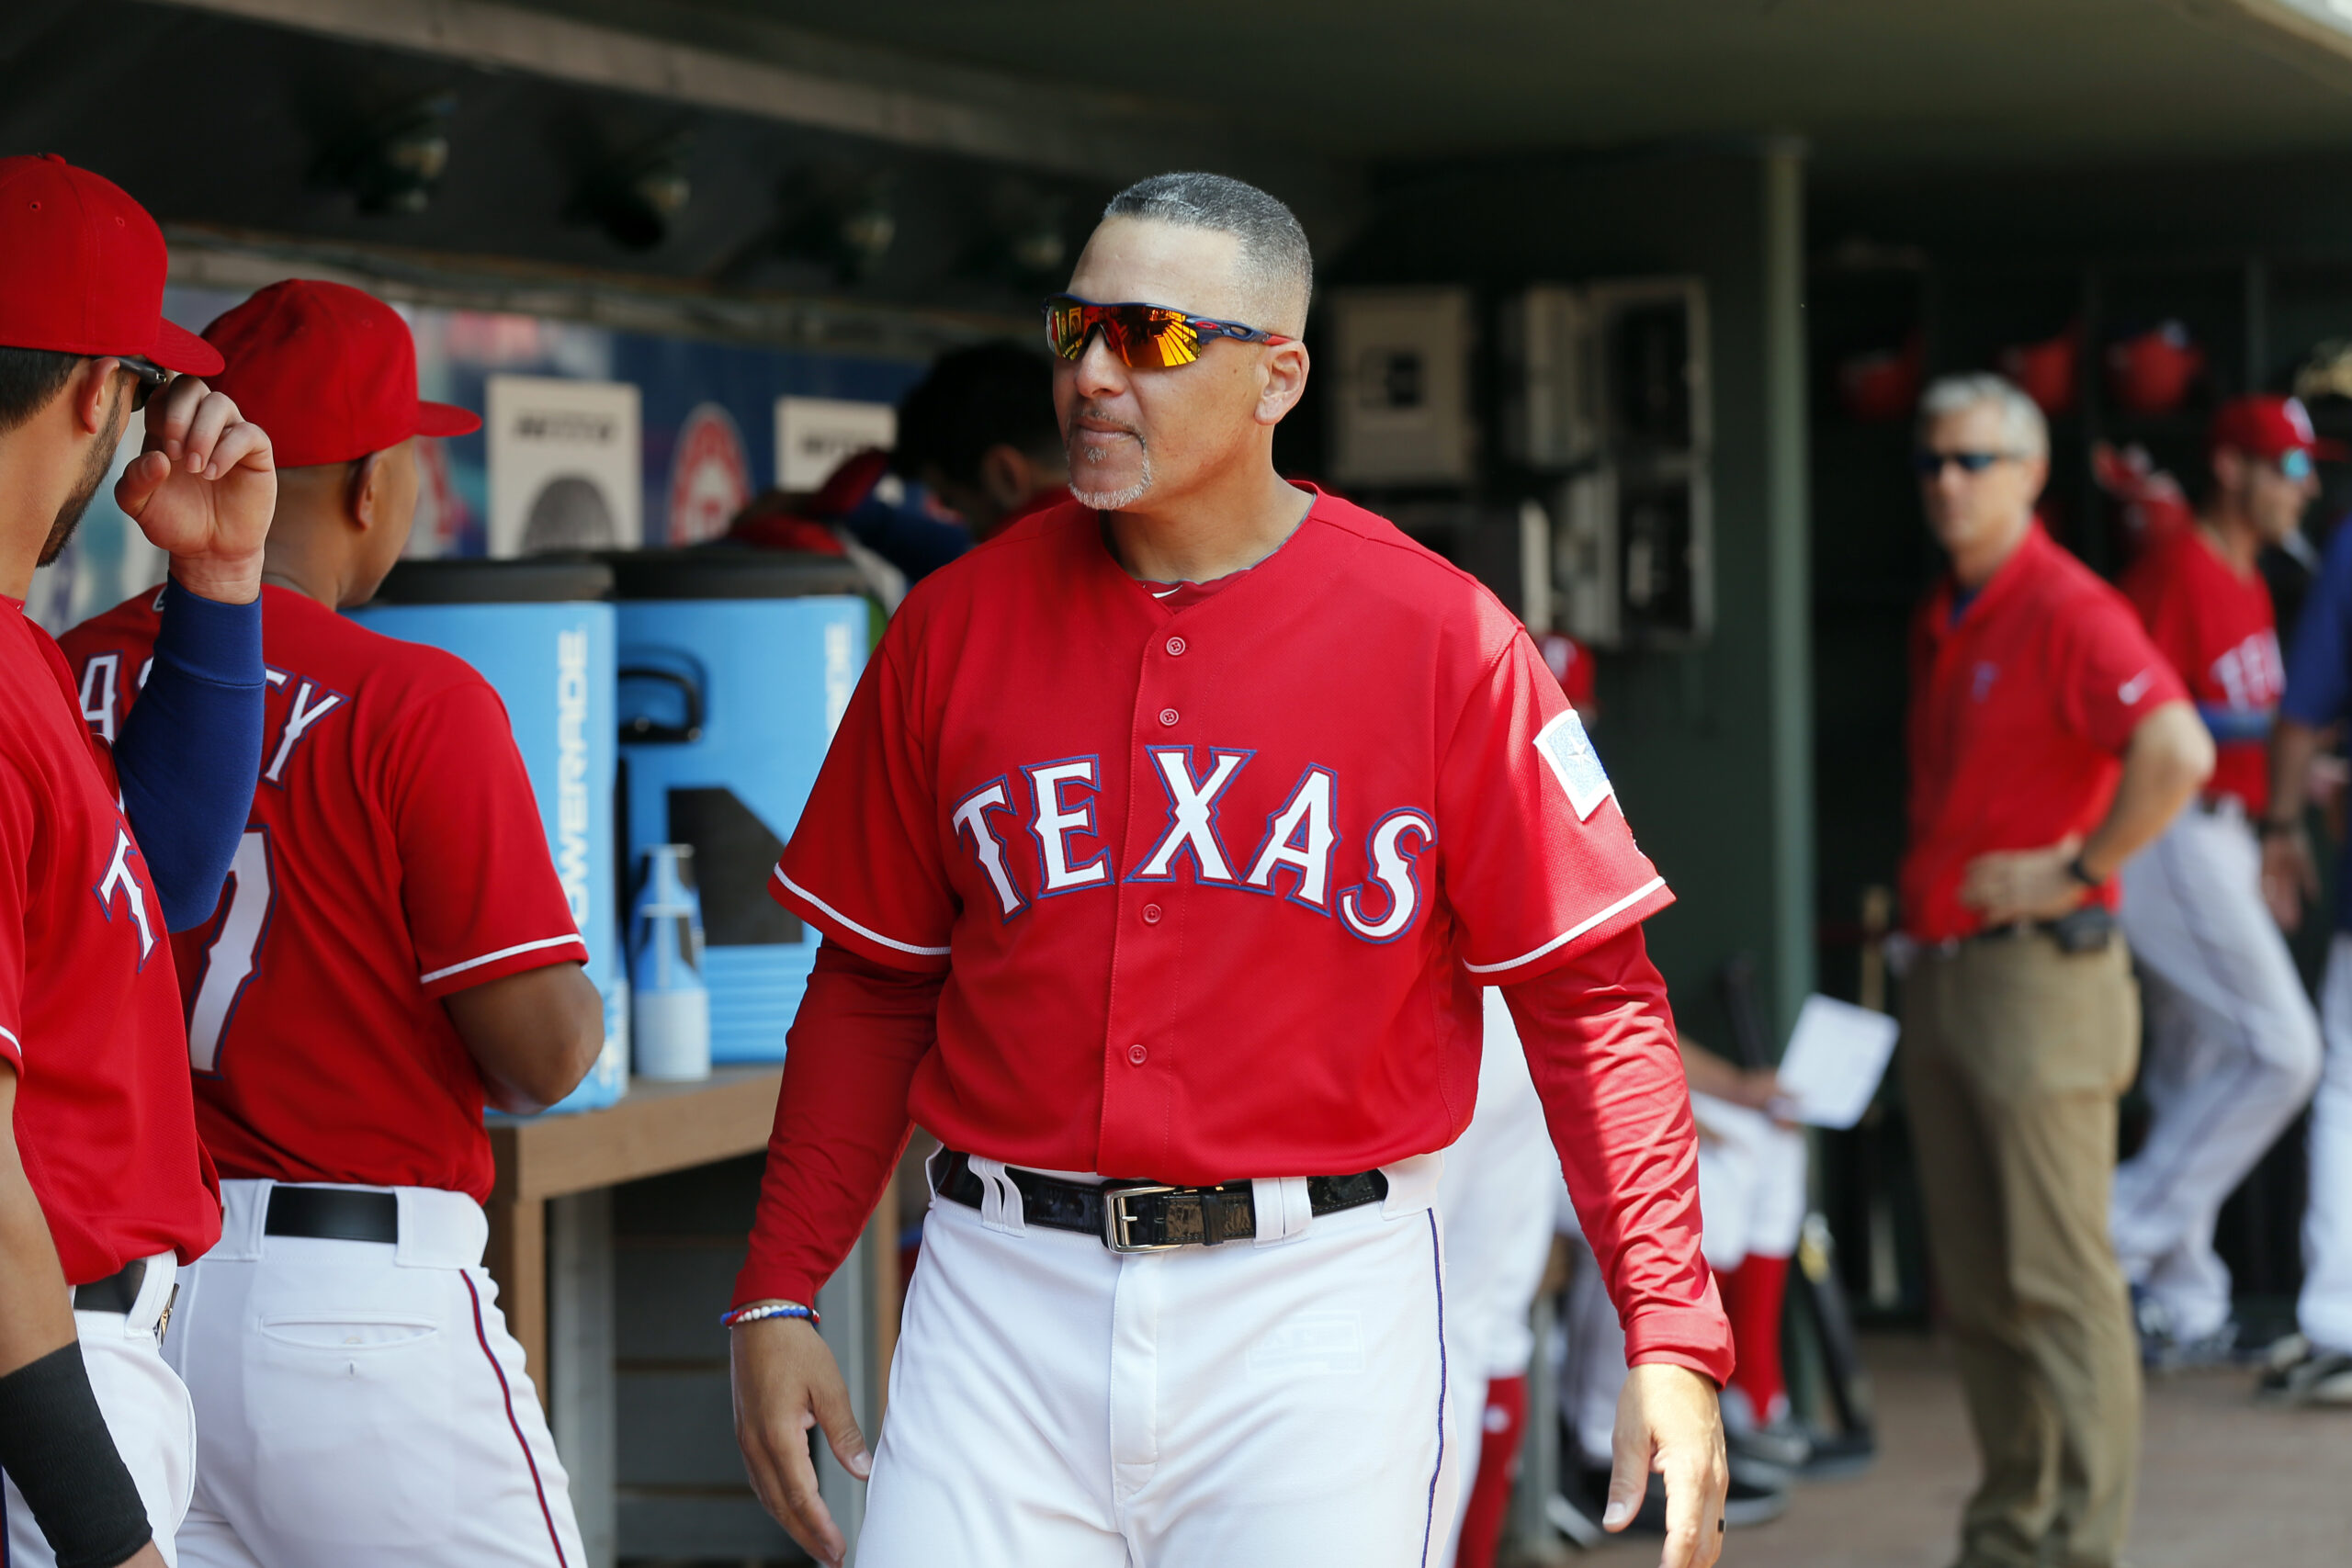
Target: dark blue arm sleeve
190,749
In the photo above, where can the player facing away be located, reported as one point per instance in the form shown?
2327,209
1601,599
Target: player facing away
103,1189
393,948
1123,875
2234,1046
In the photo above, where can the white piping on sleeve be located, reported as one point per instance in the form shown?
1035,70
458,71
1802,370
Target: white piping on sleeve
1619,908
10,1037
502,952
869,935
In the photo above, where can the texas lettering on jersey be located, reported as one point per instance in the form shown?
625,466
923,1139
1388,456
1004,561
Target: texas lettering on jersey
1297,853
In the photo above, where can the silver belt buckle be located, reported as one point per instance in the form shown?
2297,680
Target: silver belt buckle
1116,1221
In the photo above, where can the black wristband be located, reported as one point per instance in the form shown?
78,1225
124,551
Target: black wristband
2273,829
2082,873
55,1447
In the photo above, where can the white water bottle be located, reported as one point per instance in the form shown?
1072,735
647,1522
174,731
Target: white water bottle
669,1000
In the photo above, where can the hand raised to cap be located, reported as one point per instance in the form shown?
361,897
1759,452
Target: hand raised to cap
202,490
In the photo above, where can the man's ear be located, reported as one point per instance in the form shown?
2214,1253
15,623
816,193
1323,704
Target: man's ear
1007,476
2229,469
93,390
363,492
1282,383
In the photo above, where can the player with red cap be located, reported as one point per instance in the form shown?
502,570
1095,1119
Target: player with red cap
394,947
104,1188
2233,1045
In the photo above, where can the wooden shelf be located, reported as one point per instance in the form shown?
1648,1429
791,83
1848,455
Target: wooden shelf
654,1129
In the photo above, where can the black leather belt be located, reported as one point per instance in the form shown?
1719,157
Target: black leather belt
118,1292
1144,1216
332,1213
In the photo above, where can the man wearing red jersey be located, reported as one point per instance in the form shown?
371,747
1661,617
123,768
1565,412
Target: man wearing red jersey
2234,1043
104,1189
1122,876
2049,744
393,949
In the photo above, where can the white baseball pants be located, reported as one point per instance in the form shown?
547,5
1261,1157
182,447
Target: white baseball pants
1246,1405
2233,1051
1496,1204
361,1403
146,1409
1752,1195
2324,1310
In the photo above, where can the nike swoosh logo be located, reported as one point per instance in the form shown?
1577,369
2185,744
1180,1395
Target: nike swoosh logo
2132,691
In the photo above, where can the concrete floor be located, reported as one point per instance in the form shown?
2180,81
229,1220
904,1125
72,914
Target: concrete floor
2223,1484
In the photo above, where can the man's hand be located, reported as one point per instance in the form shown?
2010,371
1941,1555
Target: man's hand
1668,1421
2010,885
786,1382
202,490
2289,875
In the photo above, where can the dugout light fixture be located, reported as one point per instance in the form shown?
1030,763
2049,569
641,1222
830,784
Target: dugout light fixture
394,163
635,198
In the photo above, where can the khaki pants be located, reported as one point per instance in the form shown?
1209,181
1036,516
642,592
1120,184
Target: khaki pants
2014,1055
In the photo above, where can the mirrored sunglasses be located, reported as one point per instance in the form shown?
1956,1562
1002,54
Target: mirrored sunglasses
1144,337
1929,465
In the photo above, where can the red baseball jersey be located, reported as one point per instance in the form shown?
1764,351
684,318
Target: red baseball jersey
2221,635
1220,903
395,854
2021,705
89,1015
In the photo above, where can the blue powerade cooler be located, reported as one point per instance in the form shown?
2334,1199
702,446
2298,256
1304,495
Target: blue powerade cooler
541,632
736,666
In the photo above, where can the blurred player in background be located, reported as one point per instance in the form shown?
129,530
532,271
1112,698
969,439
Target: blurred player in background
978,432
2234,1046
393,949
1496,1200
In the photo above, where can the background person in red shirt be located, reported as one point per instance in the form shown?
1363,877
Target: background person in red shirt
2049,742
392,949
2234,1043
1122,876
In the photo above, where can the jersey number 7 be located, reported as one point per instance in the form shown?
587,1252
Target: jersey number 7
231,956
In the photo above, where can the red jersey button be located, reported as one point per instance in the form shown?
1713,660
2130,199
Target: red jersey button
1176,648
1135,1055
1167,716
1151,914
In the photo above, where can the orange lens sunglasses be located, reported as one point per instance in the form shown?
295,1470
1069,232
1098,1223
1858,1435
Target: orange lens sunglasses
1145,337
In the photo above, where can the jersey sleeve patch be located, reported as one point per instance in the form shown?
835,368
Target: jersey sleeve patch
1569,754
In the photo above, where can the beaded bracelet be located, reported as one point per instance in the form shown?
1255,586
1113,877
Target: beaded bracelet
754,1313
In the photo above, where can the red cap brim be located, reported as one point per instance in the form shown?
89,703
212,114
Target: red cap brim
2328,451
445,419
177,348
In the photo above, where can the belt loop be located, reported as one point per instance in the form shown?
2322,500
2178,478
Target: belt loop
1283,1208
155,1287
244,1210
438,1229
1412,1184
1001,1209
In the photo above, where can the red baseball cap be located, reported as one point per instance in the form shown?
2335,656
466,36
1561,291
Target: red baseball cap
81,270
2263,424
329,371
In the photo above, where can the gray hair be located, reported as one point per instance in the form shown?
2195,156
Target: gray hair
2023,427
1274,261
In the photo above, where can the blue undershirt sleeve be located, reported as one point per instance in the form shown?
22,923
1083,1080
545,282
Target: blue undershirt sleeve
190,749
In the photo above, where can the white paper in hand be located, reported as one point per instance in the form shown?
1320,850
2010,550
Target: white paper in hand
1834,1060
